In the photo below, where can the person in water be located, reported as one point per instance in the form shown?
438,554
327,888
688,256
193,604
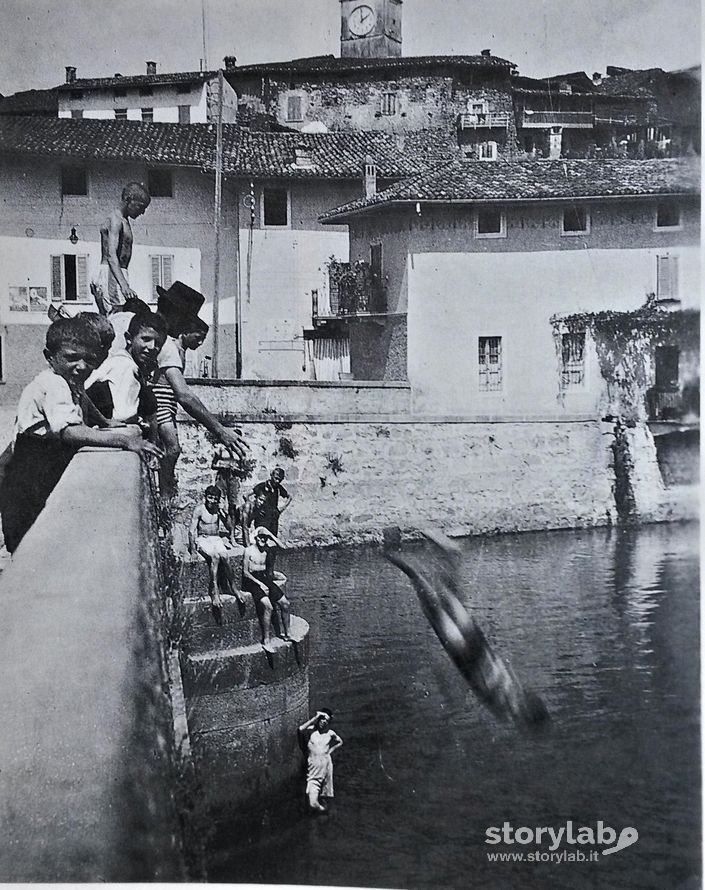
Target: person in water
491,680
318,741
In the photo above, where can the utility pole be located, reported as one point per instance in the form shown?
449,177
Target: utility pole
216,222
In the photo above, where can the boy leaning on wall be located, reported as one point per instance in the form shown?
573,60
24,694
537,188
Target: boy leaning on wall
51,426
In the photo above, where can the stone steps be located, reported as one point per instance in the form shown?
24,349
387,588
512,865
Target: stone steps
243,702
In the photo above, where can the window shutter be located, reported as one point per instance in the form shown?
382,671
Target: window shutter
57,291
167,262
82,277
667,277
155,276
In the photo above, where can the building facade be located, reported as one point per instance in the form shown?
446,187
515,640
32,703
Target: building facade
478,258
181,98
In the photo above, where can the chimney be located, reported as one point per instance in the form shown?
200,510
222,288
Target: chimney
70,74
117,74
151,67
230,63
370,177
597,78
486,53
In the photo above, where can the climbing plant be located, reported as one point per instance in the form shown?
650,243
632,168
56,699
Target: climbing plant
625,344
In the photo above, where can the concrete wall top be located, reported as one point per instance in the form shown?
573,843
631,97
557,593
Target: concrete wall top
277,400
86,786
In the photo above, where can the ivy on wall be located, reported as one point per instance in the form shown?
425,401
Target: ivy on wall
625,344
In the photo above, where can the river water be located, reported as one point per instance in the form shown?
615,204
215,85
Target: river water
603,624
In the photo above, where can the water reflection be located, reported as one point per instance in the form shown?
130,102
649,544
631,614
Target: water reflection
603,624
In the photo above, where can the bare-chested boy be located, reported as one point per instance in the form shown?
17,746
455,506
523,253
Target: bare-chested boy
209,535
111,288
260,579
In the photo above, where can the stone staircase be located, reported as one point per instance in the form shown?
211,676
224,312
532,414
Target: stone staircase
243,703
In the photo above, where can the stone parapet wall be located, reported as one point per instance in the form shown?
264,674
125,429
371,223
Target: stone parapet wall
349,479
87,760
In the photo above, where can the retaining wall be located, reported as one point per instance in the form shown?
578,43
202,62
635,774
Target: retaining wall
351,477
86,749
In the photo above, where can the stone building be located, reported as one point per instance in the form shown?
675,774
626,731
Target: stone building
60,178
475,259
183,97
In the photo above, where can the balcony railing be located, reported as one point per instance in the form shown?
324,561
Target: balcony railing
477,120
354,289
571,119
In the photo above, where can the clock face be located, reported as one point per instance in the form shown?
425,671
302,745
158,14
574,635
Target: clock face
361,21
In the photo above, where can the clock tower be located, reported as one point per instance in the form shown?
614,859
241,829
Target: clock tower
370,29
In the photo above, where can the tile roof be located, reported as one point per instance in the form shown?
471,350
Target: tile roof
338,155
487,181
31,102
334,65
137,80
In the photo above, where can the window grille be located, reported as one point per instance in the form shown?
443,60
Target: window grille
389,103
572,359
490,364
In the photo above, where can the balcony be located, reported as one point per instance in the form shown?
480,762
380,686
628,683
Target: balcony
354,291
484,121
540,120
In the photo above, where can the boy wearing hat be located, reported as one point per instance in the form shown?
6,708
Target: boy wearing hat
179,305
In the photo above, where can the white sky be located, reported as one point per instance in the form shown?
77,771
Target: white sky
101,37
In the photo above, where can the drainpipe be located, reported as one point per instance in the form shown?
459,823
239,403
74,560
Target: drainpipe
217,213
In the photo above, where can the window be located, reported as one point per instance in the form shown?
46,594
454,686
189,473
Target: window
667,277
119,92
76,113
389,103
162,267
74,181
184,114
276,207
69,278
490,222
667,362
146,91
376,261
76,94
575,221
160,183
572,359
487,151
293,108
148,114
121,114
489,363
668,215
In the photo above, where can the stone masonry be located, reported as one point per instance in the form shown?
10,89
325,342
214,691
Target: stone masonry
351,478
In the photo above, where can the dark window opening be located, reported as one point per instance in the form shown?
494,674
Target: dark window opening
76,94
275,207
667,215
70,279
575,219
184,114
121,114
489,221
77,113
667,360
74,181
147,114
160,183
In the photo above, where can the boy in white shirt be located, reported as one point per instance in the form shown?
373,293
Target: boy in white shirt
50,427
